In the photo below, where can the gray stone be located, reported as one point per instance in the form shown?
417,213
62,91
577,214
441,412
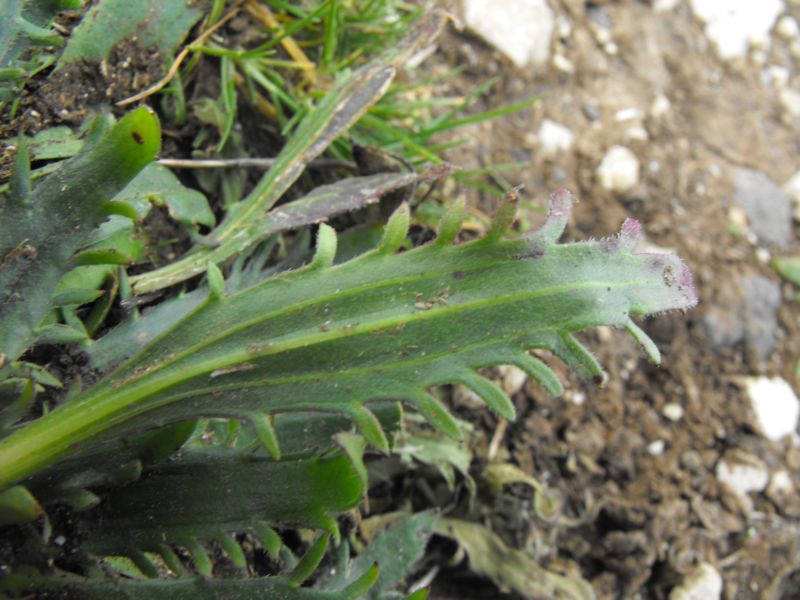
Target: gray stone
520,29
768,208
752,317
762,299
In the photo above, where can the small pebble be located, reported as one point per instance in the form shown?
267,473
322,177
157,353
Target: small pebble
563,64
702,583
520,29
628,114
656,448
787,27
619,170
665,5
792,189
673,412
554,138
660,107
743,474
775,405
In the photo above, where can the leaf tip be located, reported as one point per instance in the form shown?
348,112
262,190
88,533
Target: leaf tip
326,247
451,221
216,282
396,230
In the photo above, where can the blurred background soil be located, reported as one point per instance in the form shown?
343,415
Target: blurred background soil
673,475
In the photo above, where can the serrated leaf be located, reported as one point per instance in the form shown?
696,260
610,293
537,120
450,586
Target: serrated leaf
273,588
158,185
396,550
379,326
200,496
24,32
65,206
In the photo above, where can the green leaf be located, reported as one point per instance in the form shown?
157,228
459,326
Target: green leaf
24,34
53,143
351,97
379,326
65,206
309,562
396,550
442,453
158,185
17,505
273,588
206,496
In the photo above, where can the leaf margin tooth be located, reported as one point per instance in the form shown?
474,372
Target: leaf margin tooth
263,424
327,243
435,413
539,371
216,282
231,547
578,357
309,561
645,341
368,426
396,230
495,398
451,222
202,561
269,538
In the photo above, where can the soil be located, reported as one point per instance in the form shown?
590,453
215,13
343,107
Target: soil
643,487
641,504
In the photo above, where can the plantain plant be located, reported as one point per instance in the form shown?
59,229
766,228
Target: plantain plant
244,407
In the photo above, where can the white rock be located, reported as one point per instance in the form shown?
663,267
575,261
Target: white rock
790,102
738,218
665,5
703,583
554,138
563,27
794,48
656,448
787,27
733,25
563,64
628,114
619,170
637,133
780,484
673,412
792,189
743,474
520,29
777,76
660,107
512,378
775,405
